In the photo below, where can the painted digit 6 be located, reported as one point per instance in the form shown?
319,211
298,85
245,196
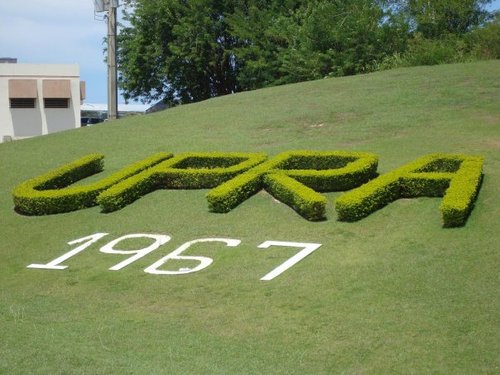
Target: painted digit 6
176,254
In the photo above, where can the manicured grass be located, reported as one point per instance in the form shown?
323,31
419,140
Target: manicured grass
391,293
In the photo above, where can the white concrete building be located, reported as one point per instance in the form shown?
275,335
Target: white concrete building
38,99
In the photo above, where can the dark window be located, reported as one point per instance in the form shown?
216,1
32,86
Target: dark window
56,103
22,102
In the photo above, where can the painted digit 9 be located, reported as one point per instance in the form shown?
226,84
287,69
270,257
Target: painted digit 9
109,248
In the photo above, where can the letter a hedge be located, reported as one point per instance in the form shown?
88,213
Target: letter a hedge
456,178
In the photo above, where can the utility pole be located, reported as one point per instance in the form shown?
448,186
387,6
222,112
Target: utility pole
112,73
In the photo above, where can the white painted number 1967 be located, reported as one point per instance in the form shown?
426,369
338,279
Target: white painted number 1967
158,268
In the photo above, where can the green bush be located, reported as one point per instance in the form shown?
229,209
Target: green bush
327,171
308,203
317,170
424,51
184,171
454,177
484,42
230,194
206,170
50,193
462,193
129,190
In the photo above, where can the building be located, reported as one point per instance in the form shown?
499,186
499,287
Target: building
94,113
38,99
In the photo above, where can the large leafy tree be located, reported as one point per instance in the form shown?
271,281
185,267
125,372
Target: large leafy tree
313,39
190,50
336,38
437,18
176,50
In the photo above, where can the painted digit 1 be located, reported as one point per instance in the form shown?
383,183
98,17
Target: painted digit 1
159,239
55,264
176,254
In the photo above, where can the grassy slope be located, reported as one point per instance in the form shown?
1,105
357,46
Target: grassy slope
391,293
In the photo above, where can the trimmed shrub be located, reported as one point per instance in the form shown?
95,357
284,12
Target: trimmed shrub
207,170
454,177
308,203
50,193
317,170
462,193
327,171
184,171
231,193
127,191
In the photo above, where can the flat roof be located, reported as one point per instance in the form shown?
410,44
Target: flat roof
40,70
100,107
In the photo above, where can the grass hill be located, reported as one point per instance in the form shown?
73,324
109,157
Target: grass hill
392,293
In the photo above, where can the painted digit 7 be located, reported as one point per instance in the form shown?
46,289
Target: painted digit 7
308,248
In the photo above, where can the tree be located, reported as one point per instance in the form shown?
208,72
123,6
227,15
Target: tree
337,38
313,39
436,18
190,50
176,50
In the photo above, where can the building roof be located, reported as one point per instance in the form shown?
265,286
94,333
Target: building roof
100,107
56,70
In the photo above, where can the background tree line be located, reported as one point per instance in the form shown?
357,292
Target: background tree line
182,51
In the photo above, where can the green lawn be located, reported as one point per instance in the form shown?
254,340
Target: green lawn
391,293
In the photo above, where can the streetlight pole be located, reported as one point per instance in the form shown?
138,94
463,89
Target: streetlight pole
112,73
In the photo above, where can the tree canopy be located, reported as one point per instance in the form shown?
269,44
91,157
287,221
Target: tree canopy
182,51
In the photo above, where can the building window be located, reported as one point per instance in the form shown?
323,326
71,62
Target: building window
56,103
22,102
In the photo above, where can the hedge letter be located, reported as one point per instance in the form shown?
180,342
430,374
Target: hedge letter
456,178
50,193
295,178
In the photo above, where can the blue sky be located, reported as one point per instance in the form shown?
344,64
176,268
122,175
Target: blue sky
62,32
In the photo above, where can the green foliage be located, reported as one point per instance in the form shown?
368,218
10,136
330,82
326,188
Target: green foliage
258,28
129,190
438,18
456,178
176,51
182,52
226,196
331,171
314,39
49,193
311,171
338,39
207,170
308,203
460,196
484,42
184,171
423,51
